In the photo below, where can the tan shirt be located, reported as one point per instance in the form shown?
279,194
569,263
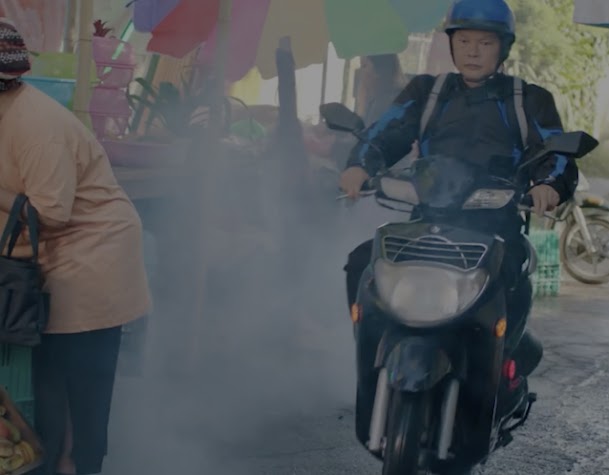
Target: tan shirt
91,235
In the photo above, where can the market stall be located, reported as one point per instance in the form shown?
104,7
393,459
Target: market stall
163,116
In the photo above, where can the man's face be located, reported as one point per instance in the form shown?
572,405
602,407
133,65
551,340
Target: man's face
476,54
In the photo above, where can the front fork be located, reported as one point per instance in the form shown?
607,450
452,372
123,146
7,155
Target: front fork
448,418
580,219
379,416
378,423
422,364
416,364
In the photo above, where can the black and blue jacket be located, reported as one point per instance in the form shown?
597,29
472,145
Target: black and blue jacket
474,124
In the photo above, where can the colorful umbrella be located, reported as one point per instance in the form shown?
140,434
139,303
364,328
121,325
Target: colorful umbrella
355,27
147,14
592,12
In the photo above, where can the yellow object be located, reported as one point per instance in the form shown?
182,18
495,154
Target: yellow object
59,65
356,313
248,88
26,451
594,201
7,448
501,328
309,47
13,463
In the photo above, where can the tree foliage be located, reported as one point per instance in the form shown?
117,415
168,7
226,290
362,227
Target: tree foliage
566,58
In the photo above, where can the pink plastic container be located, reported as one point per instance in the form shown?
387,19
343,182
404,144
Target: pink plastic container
106,126
109,101
112,52
113,76
115,61
109,110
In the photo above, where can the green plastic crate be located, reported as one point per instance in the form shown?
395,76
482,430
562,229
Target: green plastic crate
546,281
16,377
546,243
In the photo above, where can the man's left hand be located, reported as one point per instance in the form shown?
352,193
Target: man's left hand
545,198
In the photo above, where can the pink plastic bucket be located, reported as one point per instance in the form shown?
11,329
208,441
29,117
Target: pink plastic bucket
112,52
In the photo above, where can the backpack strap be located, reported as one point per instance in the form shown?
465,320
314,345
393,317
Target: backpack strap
432,100
521,116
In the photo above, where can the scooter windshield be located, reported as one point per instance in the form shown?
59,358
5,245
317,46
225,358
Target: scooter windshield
444,182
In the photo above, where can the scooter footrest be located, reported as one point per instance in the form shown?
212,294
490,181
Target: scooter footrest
522,418
506,438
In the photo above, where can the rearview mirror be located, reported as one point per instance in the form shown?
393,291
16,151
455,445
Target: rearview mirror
574,144
339,117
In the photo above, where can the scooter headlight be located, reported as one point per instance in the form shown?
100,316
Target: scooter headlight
424,296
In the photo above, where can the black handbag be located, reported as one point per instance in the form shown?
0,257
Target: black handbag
24,305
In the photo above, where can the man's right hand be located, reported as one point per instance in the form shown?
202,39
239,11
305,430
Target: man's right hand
352,180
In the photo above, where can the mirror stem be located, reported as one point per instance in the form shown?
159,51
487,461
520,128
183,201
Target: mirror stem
362,138
359,136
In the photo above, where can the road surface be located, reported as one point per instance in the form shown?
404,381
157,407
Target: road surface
282,404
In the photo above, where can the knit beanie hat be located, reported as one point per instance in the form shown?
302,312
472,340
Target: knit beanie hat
14,56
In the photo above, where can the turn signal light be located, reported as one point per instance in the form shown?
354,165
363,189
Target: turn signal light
501,328
356,313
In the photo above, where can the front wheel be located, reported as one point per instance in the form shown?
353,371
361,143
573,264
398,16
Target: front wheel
406,428
579,263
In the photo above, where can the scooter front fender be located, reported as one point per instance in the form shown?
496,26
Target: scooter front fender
415,363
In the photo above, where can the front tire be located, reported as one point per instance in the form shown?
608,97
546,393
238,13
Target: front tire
405,429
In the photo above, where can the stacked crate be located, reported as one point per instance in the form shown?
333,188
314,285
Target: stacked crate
546,281
16,378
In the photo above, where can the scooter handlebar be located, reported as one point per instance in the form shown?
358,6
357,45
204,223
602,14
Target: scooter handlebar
368,189
526,202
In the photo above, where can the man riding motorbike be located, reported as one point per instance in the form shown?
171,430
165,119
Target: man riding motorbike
474,117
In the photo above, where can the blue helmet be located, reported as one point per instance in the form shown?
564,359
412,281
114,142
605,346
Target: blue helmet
486,15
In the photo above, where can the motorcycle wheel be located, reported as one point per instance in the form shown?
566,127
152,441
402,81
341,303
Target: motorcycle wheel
405,430
571,242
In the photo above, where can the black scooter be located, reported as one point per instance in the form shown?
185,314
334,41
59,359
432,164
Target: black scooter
434,299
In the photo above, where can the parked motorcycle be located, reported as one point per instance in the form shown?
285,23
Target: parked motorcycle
444,397
583,224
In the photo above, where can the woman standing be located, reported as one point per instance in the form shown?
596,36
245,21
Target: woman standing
381,80
90,253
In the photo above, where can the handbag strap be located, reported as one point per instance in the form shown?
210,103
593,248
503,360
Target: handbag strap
32,224
14,227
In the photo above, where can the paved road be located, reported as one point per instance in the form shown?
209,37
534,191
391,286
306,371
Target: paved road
272,393
281,404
